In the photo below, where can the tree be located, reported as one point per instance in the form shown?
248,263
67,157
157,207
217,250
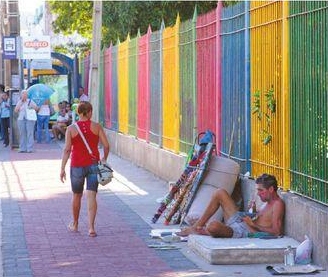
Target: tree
121,18
72,16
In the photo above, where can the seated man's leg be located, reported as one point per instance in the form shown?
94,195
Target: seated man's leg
62,129
220,198
55,131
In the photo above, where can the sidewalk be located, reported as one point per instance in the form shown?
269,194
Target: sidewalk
35,210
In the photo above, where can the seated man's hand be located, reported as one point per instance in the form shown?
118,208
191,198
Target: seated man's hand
248,221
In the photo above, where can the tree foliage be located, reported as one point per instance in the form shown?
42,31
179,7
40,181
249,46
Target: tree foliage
121,18
72,16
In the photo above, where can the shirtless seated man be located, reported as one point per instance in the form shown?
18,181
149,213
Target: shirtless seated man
269,218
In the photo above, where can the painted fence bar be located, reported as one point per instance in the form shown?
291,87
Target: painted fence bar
143,105
114,89
101,88
133,77
235,89
155,49
123,85
187,83
206,57
266,83
309,98
82,70
108,88
86,68
170,91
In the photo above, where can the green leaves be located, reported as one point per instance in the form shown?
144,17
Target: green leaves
121,18
72,16
267,112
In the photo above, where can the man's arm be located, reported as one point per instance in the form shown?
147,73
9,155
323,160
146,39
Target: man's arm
276,227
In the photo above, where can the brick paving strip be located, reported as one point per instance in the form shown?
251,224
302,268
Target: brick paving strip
35,240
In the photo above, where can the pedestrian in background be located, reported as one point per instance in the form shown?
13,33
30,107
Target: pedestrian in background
5,115
2,90
43,122
82,95
25,126
59,128
84,165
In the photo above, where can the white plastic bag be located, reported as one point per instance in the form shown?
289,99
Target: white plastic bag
31,114
304,252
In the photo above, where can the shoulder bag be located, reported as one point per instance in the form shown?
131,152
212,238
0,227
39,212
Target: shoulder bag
30,112
105,173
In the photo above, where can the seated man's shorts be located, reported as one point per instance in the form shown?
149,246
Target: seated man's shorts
239,227
79,174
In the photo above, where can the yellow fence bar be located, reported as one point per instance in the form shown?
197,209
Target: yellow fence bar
123,86
171,102
268,89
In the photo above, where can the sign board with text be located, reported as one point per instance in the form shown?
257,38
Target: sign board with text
9,47
36,48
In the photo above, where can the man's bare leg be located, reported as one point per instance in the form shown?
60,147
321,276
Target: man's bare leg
219,198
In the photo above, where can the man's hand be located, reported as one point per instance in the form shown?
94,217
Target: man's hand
248,221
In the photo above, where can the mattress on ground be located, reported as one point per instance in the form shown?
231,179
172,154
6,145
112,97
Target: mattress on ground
222,173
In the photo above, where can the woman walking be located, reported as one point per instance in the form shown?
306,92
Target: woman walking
25,125
83,165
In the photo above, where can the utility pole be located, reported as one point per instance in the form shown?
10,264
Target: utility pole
95,59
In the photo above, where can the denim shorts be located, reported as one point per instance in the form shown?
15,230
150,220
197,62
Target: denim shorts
79,174
239,227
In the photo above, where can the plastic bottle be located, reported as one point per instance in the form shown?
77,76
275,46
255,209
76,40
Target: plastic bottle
252,207
289,258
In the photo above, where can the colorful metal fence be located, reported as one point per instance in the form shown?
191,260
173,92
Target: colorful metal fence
255,73
309,98
114,89
108,88
206,44
155,52
170,84
86,67
123,86
187,83
101,89
266,88
235,83
143,112
133,77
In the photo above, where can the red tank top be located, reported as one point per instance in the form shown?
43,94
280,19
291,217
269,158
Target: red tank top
80,155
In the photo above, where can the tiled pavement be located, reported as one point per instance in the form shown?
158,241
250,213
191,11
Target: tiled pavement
35,240
35,210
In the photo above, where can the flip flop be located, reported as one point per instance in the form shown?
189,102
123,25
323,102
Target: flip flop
92,234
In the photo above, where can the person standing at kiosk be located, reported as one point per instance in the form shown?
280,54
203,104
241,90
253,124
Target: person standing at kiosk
25,125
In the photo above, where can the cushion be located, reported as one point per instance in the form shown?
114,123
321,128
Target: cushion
222,173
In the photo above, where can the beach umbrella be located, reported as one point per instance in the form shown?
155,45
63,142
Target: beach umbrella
39,93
